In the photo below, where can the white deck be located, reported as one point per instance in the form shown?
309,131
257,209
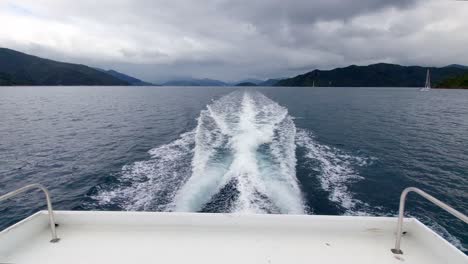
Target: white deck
129,237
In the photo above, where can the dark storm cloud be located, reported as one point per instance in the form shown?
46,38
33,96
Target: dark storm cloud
296,12
156,40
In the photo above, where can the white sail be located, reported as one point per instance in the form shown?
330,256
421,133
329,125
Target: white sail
427,86
428,80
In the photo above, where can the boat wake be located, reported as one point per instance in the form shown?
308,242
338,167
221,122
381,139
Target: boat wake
335,170
240,158
243,142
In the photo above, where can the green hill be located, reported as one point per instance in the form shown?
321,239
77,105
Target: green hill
375,75
458,82
18,68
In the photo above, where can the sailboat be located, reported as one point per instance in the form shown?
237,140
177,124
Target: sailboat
427,86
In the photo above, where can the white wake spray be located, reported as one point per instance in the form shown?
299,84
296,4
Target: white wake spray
247,140
241,158
244,142
335,170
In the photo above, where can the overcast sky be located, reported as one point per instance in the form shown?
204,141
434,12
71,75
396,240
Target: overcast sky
236,39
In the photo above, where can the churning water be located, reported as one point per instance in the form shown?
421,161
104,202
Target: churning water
239,158
271,150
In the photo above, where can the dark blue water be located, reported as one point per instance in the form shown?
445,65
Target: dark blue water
274,150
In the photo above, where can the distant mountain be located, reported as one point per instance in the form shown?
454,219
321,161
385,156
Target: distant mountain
269,82
249,80
195,82
17,68
458,66
131,80
375,75
246,84
257,82
458,82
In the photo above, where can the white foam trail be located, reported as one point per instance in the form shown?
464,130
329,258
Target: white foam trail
151,185
335,170
243,141
248,128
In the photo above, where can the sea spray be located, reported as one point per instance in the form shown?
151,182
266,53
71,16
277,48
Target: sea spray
238,141
240,158
243,142
335,170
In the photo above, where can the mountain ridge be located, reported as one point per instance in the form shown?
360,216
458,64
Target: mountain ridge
246,84
18,68
194,82
374,75
127,78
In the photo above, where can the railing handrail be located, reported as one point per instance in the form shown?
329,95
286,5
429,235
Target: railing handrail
49,205
446,207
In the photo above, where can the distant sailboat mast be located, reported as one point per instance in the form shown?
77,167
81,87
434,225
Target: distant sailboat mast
427,86
428,80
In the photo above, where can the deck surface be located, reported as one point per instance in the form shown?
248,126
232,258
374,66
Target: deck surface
146,238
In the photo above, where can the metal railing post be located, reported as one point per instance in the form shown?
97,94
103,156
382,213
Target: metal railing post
49,205
401,212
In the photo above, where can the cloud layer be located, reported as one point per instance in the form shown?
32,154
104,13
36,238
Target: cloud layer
230,40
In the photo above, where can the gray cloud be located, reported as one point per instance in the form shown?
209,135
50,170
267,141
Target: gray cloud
229,40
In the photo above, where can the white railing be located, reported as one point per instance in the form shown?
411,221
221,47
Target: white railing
446,207
49,205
